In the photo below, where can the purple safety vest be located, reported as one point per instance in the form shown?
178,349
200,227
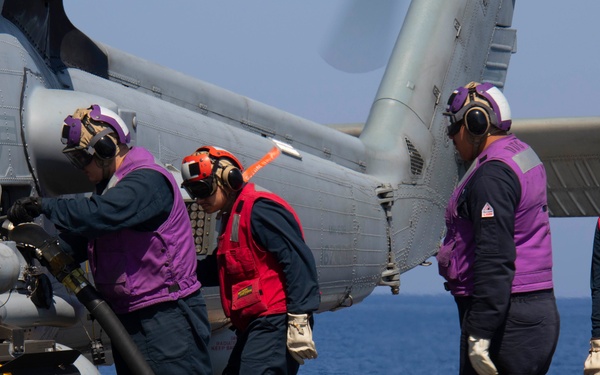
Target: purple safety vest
134,269
533,264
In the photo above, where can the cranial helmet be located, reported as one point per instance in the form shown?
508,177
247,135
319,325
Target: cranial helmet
94,131
478,106
207,167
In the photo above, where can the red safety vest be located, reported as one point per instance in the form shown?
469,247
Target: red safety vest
251,280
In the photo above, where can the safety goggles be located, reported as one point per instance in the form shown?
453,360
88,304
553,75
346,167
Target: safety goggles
79,158
200,189
454,128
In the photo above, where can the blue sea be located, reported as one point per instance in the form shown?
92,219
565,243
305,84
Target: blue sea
410,334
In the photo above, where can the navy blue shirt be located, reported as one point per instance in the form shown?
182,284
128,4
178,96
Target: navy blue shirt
496,184
276,229
142,200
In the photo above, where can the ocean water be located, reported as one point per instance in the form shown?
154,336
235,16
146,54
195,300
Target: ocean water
414,335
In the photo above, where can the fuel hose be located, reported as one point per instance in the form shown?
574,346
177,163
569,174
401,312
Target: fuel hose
31,237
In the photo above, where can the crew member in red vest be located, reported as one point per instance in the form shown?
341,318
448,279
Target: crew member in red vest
266,272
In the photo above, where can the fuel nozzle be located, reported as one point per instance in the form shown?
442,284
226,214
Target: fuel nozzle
34,239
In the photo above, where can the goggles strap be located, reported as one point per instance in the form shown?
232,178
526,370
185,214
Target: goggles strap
99,136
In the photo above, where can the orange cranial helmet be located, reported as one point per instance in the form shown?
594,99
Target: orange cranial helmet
208,167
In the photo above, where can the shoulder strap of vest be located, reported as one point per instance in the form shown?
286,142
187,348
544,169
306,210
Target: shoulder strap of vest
235,224
235,217
235,227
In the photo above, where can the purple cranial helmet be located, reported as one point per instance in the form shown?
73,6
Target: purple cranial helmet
94,131
478,105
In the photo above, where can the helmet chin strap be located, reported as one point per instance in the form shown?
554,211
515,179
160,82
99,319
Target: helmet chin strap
475,141
105,166
229,201
106,172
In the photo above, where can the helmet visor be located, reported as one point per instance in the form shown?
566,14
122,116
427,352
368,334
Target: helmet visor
79,158
200,189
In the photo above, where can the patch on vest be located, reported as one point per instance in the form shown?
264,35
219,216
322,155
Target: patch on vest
487,210
244,292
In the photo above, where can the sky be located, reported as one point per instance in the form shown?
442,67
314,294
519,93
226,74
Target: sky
268,50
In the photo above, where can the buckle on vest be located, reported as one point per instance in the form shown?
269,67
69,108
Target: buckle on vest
174,288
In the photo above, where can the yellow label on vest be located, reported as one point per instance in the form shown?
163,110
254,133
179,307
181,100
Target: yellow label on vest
245,292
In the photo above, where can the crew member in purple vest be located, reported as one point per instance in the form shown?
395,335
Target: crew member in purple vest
137,234
266,273
592,362
496,256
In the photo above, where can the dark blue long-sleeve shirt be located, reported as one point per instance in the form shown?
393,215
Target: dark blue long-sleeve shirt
495,252
275,229
142,201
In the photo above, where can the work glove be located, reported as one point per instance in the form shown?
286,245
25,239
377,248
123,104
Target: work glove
24,210
479,356
299,338
592,363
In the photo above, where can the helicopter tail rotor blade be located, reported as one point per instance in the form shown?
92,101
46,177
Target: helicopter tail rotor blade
363,36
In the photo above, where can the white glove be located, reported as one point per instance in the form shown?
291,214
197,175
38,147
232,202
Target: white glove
592,363
299,338
480,357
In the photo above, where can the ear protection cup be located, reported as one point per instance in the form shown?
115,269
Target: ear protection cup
477,120
477,116
479,106
104,146
232,177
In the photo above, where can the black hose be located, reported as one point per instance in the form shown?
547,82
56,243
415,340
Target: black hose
31,237
119,337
